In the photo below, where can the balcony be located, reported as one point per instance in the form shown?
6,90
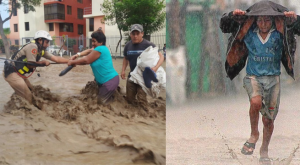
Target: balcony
54,16
87,10
54,11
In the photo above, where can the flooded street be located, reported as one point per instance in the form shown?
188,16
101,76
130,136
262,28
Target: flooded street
5,90
212,131
67,126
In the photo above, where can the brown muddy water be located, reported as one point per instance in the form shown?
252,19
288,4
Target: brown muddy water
67,126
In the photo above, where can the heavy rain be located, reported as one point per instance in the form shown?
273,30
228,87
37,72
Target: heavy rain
207,113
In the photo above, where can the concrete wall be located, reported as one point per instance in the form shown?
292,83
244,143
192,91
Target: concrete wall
35,19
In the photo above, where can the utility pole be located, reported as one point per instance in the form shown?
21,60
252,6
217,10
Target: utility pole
174,26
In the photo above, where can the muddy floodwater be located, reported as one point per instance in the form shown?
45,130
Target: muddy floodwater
67,126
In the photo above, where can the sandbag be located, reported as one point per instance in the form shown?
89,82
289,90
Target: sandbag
148,58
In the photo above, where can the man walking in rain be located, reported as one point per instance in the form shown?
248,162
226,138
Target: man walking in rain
264,34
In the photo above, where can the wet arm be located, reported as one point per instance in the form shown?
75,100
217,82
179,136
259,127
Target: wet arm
93,56
125,63
83,53
124,66
58,59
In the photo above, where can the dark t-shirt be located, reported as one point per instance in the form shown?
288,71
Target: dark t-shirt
133,51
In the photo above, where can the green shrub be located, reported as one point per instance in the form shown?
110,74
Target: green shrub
71,42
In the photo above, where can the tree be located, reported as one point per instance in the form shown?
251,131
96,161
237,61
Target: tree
71,42
6,31
53,40
14,5
149,13
113,16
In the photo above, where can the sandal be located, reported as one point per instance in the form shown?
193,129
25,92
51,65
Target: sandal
249,146
265,161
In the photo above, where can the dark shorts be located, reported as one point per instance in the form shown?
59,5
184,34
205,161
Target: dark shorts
107,89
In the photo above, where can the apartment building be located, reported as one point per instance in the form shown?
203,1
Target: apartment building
59,17
95,19
75,18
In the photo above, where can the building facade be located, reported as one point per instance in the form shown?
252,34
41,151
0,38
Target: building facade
58,17
95,19
77,19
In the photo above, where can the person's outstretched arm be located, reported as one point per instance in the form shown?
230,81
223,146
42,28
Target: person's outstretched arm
90,58
52,57
59,59
83,53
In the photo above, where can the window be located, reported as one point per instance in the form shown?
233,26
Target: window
15,12
80,29
80,13
51,27
15,27
69,10
79,1
66,27
27,40
26,26
54,11
91,24
16,42
26,9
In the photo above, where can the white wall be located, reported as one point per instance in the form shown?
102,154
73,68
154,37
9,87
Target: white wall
96,8
35,19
